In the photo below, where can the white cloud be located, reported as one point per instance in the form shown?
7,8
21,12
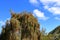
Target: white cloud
57,18
39,14
52,6
33,2
55,10
2,23
49,2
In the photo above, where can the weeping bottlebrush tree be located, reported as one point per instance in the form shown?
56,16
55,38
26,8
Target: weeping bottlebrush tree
23,26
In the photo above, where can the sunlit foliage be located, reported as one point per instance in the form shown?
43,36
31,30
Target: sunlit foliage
22,26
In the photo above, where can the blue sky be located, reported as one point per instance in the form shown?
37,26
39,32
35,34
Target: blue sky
46,11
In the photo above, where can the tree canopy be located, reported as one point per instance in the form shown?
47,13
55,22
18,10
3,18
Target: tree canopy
22,26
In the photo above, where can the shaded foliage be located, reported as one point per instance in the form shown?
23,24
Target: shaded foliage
56,30
53,35
56,33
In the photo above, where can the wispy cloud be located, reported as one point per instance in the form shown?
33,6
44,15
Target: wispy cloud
57,18
55,10
34,2
51,2
2,23
39,14
52,6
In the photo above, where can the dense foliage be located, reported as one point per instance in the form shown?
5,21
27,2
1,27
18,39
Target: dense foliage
23,26
53,35
56,33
